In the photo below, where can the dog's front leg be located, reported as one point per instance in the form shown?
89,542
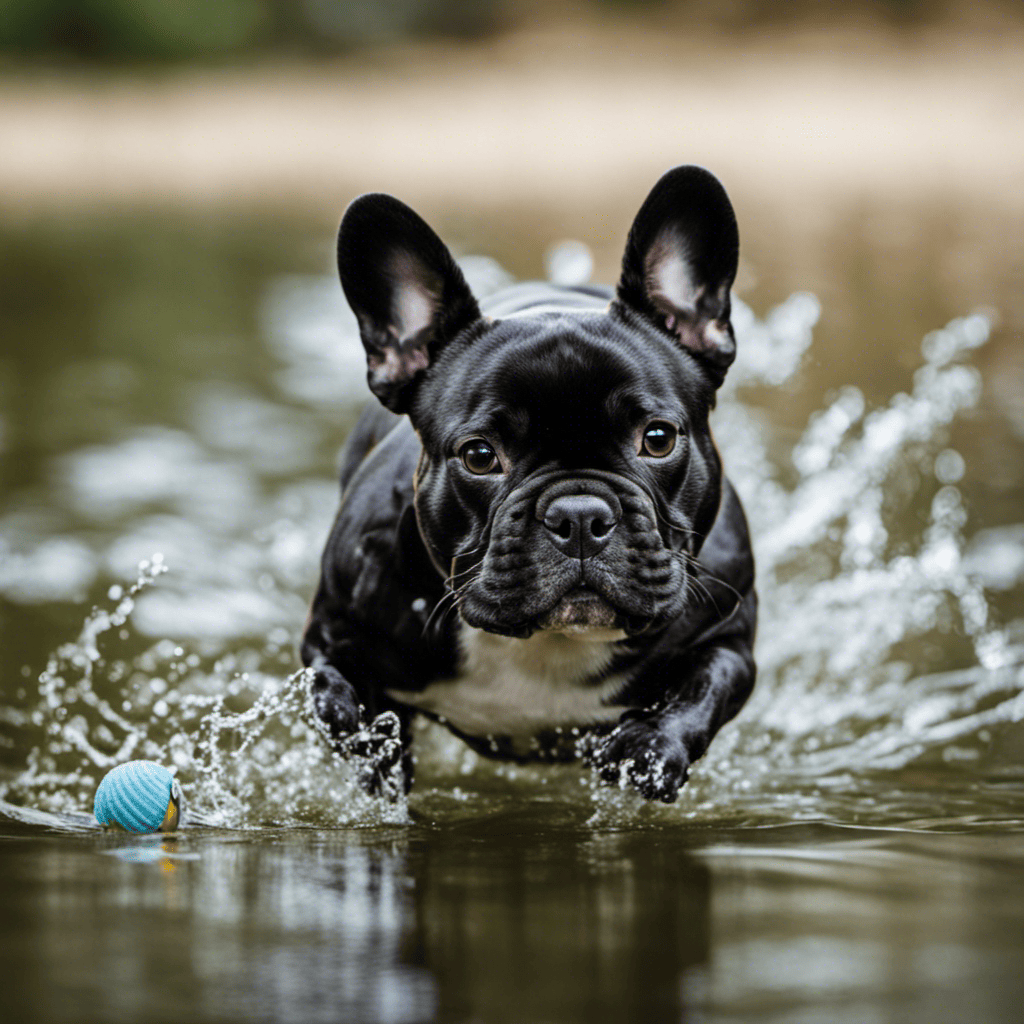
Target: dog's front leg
357,723
654,748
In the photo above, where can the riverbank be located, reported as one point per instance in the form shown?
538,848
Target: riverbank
571,117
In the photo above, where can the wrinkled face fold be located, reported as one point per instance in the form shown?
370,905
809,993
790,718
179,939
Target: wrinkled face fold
568,474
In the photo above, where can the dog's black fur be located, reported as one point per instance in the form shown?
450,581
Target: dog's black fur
524,485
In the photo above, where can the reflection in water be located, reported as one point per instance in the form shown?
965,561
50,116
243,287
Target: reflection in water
541,927
908,928
327,927
510,920
221,930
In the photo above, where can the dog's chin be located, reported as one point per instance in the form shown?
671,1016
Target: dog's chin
581,613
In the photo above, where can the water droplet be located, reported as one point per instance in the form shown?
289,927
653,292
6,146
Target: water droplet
949,466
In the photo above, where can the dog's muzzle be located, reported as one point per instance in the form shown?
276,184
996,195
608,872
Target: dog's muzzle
579,517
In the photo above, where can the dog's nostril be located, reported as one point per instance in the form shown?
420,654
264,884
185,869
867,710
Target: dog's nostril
598,527
564,529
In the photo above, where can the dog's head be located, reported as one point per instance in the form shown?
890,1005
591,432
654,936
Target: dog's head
568,474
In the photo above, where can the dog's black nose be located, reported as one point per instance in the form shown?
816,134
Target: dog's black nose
579,525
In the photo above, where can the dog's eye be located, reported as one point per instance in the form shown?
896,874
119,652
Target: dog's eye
478,457
659,440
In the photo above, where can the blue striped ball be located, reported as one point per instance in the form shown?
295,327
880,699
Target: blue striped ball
135,796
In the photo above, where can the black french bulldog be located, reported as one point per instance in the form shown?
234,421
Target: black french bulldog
536,545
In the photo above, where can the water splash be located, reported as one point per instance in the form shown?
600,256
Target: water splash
246,745
855,607
885,678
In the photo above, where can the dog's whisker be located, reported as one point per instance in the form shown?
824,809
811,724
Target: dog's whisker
662,518
693,579
694,582
711,577
447,603
439,611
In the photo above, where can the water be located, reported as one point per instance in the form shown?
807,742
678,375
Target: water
848,849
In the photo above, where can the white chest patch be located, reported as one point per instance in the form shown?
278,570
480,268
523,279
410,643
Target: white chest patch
509,687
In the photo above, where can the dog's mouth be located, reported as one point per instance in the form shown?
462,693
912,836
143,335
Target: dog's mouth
579,611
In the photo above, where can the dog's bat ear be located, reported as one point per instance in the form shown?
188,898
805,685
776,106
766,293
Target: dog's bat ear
680,262
406,290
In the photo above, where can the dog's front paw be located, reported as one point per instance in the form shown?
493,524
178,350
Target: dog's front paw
380,750
638,752
335,703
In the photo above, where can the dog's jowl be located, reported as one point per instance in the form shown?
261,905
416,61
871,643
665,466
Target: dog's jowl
536,543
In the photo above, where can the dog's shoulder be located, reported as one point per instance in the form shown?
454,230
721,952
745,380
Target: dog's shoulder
377,477
375,563
727,552
374,424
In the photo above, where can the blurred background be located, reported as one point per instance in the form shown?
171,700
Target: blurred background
178,370
172,173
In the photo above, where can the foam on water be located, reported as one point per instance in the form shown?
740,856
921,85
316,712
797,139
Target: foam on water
854,717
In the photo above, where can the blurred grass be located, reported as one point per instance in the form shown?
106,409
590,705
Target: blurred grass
172,30
111,29
115,31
